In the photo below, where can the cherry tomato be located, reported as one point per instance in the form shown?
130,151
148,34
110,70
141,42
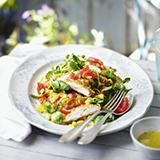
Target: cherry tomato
71,95
65,111
123,106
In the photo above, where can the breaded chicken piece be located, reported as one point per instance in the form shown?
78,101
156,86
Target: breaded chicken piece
69,103
79,85
81,112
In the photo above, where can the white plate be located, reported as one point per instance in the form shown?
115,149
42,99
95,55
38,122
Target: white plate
26,75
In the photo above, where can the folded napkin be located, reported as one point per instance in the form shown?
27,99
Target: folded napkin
13,125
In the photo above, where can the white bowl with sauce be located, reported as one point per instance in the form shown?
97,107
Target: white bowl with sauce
145,125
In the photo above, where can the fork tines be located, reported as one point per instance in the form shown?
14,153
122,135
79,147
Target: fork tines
113,104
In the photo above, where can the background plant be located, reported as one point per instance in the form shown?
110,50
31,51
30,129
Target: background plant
43,26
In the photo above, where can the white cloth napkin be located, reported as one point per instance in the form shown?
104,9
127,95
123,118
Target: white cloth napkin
13,125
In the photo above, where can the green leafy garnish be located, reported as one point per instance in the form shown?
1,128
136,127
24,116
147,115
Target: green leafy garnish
107,89
50,75
109,73
59,86
126,80
120,84
72,63
50,108
112,89
41,90
57,69
74,66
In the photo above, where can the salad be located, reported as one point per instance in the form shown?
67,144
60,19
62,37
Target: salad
77,88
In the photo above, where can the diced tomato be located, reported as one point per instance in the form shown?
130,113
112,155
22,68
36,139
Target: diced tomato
106,92
81,71
95,60
72,76
39,86
89,73
98,63
65,111
41,99
123,106
86,71
71,95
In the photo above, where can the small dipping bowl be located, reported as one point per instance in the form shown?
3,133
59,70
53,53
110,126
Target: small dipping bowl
145,125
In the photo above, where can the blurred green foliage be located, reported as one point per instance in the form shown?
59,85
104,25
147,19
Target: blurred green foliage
44,27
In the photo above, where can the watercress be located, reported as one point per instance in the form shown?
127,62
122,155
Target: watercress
72,63
59,86
109,73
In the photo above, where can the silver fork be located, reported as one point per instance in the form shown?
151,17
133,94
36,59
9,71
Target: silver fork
109,108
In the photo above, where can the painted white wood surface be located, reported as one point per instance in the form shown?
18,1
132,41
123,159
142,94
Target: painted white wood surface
41,145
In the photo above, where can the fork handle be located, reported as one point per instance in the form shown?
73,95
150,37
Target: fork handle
92,133
76,131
